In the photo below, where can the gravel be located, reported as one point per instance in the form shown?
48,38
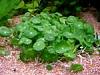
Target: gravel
11,65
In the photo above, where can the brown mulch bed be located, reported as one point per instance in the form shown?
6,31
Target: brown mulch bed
11,65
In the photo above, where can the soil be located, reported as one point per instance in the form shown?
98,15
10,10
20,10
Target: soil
11,65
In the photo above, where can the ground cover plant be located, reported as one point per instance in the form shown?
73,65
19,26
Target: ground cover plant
76,68
49,37
52,37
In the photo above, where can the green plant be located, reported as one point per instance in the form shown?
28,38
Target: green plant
7,10
76,68
27,54
7,6
49,67
28,5
65,7
4,31
4,52
52,37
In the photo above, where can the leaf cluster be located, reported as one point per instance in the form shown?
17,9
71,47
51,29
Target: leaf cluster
52,37
28,5
66,7
76,68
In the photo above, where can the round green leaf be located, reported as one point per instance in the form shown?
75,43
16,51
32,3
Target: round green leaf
51,50
36,20
4,31
49,37
29,33
79,25
39,45
68,34
21,27
25,41
71,19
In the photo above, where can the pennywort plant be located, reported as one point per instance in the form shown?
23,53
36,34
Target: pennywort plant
52,37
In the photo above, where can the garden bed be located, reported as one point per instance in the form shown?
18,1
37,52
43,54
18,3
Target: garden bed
10,65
